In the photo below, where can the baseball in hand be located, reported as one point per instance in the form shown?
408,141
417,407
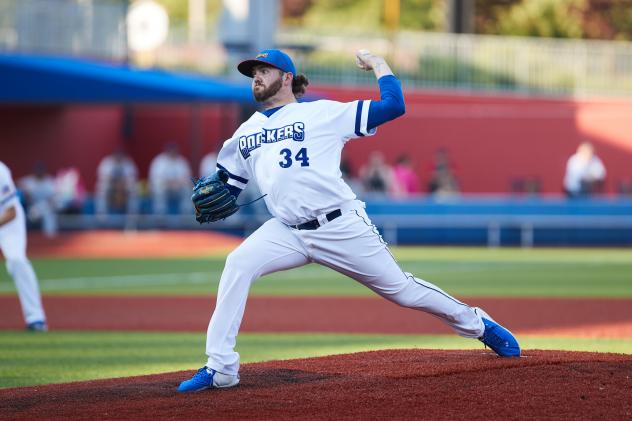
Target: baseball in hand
362,59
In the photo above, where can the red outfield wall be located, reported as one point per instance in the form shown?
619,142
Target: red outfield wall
81,136
492,139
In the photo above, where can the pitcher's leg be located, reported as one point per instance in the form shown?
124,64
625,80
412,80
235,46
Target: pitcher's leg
270,249
28,290
422,295
356,249
13,245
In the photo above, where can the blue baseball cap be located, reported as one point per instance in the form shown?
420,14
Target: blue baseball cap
274,58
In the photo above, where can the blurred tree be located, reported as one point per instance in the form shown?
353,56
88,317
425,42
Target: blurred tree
362,14
542,18
359,15
608,19
594,19
486,14
427,15
178,10
295,8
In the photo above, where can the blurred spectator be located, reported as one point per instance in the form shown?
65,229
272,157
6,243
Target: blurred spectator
208,164
528,185
624,187
406,180
170,181
70,190
40,198
585,173
442,180
376,175
117,190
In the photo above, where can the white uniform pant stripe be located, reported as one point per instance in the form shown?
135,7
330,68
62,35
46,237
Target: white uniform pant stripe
410,276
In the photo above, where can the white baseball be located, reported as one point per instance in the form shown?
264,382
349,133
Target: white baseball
359,62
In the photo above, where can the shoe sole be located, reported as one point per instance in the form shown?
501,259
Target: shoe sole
208,388
228,386
214,386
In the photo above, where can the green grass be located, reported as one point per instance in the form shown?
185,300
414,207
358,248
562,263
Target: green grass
460,271
28,359
57,357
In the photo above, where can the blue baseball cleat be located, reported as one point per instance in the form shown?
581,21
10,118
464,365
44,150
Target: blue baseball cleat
207,378
39,326
499,339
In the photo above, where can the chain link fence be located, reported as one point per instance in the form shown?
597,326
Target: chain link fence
473,62
65,27
96,28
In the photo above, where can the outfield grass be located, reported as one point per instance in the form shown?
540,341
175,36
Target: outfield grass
460,271
28,359
57,357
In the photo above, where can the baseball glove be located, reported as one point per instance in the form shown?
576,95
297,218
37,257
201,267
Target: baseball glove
212,199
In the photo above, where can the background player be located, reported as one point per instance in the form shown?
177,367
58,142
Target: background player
13,245
293,152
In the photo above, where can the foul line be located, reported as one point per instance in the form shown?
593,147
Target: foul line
104,282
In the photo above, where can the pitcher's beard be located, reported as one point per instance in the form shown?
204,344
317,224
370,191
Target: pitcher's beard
269,92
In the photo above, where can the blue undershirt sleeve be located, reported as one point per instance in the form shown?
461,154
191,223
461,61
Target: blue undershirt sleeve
391,104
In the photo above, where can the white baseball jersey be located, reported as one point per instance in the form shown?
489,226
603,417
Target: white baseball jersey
165,169
294,155
578,170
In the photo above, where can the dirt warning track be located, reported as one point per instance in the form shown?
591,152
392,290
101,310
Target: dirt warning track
133,244
401,384
596,318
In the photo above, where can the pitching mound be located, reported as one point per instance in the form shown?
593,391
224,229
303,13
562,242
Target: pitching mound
402,384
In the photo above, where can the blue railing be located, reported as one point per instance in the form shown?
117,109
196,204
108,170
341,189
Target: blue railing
466,220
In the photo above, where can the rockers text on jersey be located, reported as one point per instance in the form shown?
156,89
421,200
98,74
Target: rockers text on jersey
249,143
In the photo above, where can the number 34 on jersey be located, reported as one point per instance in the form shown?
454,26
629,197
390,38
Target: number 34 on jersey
301,157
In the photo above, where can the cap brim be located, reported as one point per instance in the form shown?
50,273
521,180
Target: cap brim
246,66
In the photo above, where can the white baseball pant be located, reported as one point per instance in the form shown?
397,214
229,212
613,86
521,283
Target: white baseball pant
13,245
351,245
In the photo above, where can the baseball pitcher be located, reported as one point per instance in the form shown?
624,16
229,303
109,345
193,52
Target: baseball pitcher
293,152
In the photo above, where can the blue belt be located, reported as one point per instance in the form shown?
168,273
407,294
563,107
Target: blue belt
314,224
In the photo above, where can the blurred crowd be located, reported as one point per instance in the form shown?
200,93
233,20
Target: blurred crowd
400,180
120,191
169,182
45,195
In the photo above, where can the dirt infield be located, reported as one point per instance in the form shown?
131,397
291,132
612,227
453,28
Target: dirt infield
598,318
132,244
402,384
